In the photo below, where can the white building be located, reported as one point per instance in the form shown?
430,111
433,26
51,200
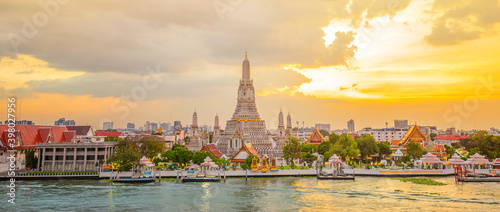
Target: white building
385,134
108,125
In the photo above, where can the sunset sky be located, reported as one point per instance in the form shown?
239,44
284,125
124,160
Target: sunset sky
431,62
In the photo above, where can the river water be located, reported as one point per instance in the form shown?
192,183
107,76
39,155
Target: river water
271,194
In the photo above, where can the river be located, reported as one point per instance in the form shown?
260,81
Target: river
270,194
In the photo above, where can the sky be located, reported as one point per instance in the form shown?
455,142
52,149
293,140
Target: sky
431,62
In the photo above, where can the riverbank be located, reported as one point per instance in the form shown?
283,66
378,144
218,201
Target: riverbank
243,174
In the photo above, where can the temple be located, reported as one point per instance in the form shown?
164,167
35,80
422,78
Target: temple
240,156
194,141
245,126
212,149
413,134
282,135
316,138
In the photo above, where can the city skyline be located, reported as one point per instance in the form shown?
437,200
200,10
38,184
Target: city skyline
324,62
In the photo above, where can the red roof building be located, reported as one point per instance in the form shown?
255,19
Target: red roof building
27,136
316,138
108,134
212,149
448,139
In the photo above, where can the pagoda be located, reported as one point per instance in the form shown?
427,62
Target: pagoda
316,138
245,126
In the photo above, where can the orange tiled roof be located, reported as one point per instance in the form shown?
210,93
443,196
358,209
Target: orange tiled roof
315,138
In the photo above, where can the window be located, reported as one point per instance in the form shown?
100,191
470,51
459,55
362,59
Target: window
80,157
90,157
70,157
59,157
48,157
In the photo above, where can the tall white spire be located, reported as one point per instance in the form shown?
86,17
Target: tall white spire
280,120
245,78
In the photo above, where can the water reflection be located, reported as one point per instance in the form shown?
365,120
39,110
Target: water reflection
279,194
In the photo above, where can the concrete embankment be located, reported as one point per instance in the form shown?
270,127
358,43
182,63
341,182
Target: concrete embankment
309,172
242,173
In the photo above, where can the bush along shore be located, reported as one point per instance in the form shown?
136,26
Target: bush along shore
422,181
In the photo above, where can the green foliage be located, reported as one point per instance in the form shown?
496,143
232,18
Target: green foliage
482,143
245,166
112,139
384,149
180,155
222,162
367,146
111,130
345,146
156,161
324,147
308,157
178,145
199,157
333,138
311,148
422,181
324,133
126,155
31,160
291,150
432,135
414,150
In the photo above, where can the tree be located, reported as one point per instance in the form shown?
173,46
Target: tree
308,158
199,157
414,150
345,146
384,149
126,156
367,146
149,146
182,156
311,148
333,138
324,133
31,160
178,145
291,150
432,135
324,147
482,143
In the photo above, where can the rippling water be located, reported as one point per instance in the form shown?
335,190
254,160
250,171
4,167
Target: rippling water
272,194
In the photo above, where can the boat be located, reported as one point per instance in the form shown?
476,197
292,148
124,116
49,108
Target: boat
336,174
141,179
206,175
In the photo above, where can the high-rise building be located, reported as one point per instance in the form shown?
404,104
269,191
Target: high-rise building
154,127
323,127
130,125
350,126
401,124
165,126
108,125
245,126
22,122
177,125
64,122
